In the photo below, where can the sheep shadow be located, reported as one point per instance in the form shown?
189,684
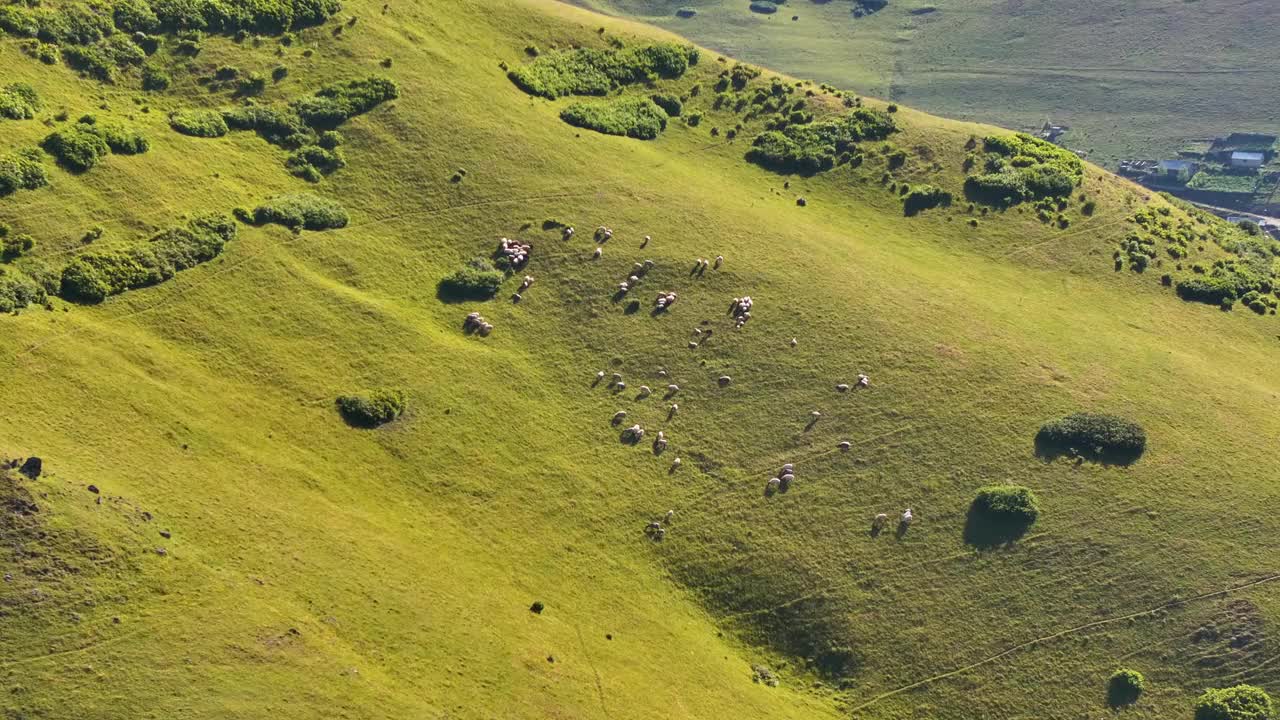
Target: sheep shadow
876,530
985,531
627,438
1049,450
632,308
810,425
596,383
619,295
903,527
656,311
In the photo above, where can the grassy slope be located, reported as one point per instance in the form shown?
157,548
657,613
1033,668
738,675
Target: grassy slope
1135,79
409,555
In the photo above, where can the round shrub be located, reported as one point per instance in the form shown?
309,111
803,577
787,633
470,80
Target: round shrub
1124,687
477,280
1001,514
373,408
155,78
1241,702
302,211
1105,438
633,117
198,123
81,282
670,103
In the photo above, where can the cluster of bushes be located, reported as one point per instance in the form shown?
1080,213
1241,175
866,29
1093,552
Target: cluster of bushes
14,245
373,408
299,211
1097,437
22,170
198,123
92,277
924,197
814,147
586,71
1021,167
1001,514
311,163
737,77
85,23
333,105
281,127
635,117
101,59
477,280
80,146
19,101
155,78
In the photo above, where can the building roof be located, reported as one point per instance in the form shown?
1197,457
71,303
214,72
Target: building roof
1241,155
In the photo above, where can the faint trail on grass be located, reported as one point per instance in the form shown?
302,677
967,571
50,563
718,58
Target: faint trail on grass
73,651
1054,636
604,709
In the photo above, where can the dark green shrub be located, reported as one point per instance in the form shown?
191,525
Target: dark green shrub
226,72
693,119
329,139
251,84
1105,438
13,246
278,127
373,408
634,117
1021,167
198,123
1241,702
764,7
924,197
279,73
22,170
1000,514
76,147
120,138
90,60
670,103
46,53
302,211
18,291
134,16
93,276
477,280
19,101
155,78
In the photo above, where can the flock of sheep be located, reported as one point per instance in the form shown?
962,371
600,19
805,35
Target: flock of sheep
740,308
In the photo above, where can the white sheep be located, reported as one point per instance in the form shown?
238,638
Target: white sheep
675,463
673,388
596,255
599,375
719,261
617,377
842,387
645,241
879,521
645,391
772,485
528,280
815,414
516,297
906,516
673,410
844,446
662,373
725,380
864,381
618,416
621,386
670,514
794,342
693,345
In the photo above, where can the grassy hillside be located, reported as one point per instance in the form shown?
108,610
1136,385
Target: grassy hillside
1137,79
247,553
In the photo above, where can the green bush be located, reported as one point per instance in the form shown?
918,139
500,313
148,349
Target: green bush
1097,437
90,60
278,127
329,139
22,170
670,103
334,104
198,123
252,84
1124,687
302,211
13,246
77,147
373,408
1021,167
1000,514
155,78
587,71
120,138
93,276
477,280
313,162
46,53
924,197
19,101
1241,702
634,117
812,148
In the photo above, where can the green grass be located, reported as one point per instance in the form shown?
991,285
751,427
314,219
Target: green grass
1241,184
313,570
1131,79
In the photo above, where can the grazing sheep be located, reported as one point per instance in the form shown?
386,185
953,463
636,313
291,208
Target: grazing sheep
724,380
596,255
670,514
621,386
528,280
671,411
659,446
693,345
794,342
662,373
637,269
618,416
645,241
617,377
661,533
906,516
672,389
784,482
842,387
599,376
787,469
879,521
864,381
633,280
675,463
516,297
772,485
648,265
645,391
787,477
514,251
815,414
485,329
568,232
719,261
653,526
844,446
623,287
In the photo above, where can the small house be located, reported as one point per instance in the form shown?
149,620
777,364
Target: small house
1176,170
1247,160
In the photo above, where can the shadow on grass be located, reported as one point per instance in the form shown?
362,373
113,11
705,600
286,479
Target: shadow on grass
1048,450
451,294
987,531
